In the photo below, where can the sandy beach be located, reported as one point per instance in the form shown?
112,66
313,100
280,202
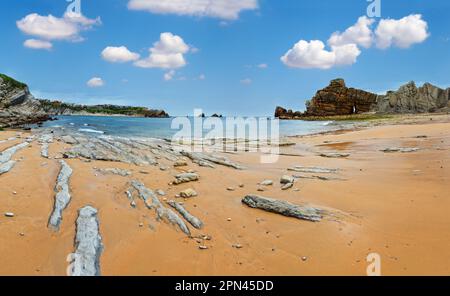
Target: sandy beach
394,204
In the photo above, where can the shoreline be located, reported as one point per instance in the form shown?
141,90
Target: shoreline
414,188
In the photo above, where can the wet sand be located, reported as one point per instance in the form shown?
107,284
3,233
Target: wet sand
394,204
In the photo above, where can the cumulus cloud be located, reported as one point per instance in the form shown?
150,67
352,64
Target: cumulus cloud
119,54
343,47
359,34
402,33
167,53
50,27
95,82
223,9
308,55
38,44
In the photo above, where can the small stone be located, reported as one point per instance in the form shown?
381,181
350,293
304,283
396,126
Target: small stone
188,193
144,172
304,258
260,189
9,215
180,163
287,186
266,183
237,246
229,219
231,189
141,224
133,204
286,179
203,247
160,192
22,234
241,185
14,192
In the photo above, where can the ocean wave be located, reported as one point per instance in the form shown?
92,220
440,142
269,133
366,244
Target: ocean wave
88,130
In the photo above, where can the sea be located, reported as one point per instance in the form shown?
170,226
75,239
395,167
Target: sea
165,128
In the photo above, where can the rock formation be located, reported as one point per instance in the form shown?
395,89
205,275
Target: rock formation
412,99
88,244
17,105
338,99
61,108
283,208
62,197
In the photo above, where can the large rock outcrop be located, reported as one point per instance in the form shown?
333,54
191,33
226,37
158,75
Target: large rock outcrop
338,99
61,108
17,105
412,99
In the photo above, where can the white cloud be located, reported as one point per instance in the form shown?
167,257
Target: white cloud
263,66
169,75
202,77
223,9
53,28
119,55
95,82
246,81
402,33
38,44
359,34
344,46
167,53
313,54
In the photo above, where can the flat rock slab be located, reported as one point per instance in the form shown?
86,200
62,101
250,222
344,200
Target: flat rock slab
185,178
313,170
7,154
88,244
283,208
62,197
401,150
152,202
114,171
6,167
194,221
334,155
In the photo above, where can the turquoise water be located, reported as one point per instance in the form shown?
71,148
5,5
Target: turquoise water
161,127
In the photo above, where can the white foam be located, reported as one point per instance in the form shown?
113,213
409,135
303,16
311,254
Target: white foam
88,130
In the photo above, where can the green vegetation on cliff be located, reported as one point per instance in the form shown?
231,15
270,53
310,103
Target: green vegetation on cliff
11,82
57,107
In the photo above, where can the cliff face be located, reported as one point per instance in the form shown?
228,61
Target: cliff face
17,105
412,99
337,99
61,108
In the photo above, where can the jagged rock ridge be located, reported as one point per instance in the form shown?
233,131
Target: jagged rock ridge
338,99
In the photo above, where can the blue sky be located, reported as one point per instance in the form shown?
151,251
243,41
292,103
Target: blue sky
218,60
